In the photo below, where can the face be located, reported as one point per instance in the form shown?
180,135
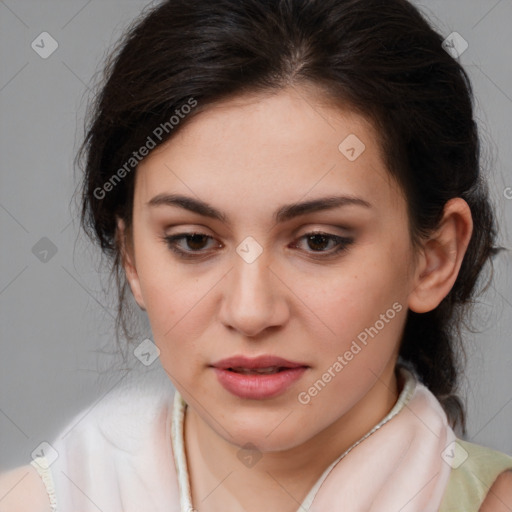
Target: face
324,288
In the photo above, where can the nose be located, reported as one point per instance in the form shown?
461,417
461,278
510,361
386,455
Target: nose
254,297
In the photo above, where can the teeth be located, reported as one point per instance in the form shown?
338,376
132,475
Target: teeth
263,371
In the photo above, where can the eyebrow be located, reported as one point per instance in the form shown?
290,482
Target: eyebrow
282,214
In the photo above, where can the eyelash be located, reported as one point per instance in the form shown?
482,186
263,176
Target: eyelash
342,244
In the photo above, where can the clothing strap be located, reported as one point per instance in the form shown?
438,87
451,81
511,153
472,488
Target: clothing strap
41,465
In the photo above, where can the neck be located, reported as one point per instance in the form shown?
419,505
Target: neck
282,479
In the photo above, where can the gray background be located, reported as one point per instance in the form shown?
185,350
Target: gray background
57,350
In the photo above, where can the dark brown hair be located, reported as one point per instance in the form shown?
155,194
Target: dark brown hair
380,57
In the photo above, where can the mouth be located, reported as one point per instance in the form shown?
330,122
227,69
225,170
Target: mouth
258,378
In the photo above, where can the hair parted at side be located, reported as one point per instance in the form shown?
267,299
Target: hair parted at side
380,58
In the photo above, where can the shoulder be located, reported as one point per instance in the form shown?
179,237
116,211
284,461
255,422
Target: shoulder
122,431
122,418
499,497
479,477
22,490
484,463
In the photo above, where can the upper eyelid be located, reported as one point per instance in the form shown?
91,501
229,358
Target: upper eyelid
185,234
328,228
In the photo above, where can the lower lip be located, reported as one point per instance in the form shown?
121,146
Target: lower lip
258,387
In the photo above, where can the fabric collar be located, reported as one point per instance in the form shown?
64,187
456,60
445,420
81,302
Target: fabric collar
395,466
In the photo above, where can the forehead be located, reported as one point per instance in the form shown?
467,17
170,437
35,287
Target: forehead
270,148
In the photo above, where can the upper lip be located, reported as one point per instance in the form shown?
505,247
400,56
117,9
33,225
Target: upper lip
263,361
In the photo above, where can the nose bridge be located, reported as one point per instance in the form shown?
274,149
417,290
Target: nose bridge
251,277
251,263
250,283
252,298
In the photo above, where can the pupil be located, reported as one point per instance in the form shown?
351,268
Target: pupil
194,241
312,238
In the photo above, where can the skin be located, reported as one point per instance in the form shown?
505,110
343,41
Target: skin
247,157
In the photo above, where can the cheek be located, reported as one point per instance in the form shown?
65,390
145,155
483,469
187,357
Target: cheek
172,304
177,303
364,307
353,301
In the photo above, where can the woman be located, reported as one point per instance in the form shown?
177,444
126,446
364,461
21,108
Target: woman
292,191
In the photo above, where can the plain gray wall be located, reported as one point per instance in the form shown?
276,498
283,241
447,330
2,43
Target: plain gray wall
57,349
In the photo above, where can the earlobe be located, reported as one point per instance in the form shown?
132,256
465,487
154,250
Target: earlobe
441,257
128,262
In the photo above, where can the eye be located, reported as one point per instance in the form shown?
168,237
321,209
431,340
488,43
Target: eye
195,242
319,242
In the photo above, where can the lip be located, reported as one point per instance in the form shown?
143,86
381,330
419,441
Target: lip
258,387
251,363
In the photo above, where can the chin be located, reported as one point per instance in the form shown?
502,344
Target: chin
267,434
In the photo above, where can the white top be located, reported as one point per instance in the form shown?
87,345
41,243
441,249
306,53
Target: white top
131,433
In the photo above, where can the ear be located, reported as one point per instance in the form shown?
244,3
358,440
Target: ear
128,262
441,257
